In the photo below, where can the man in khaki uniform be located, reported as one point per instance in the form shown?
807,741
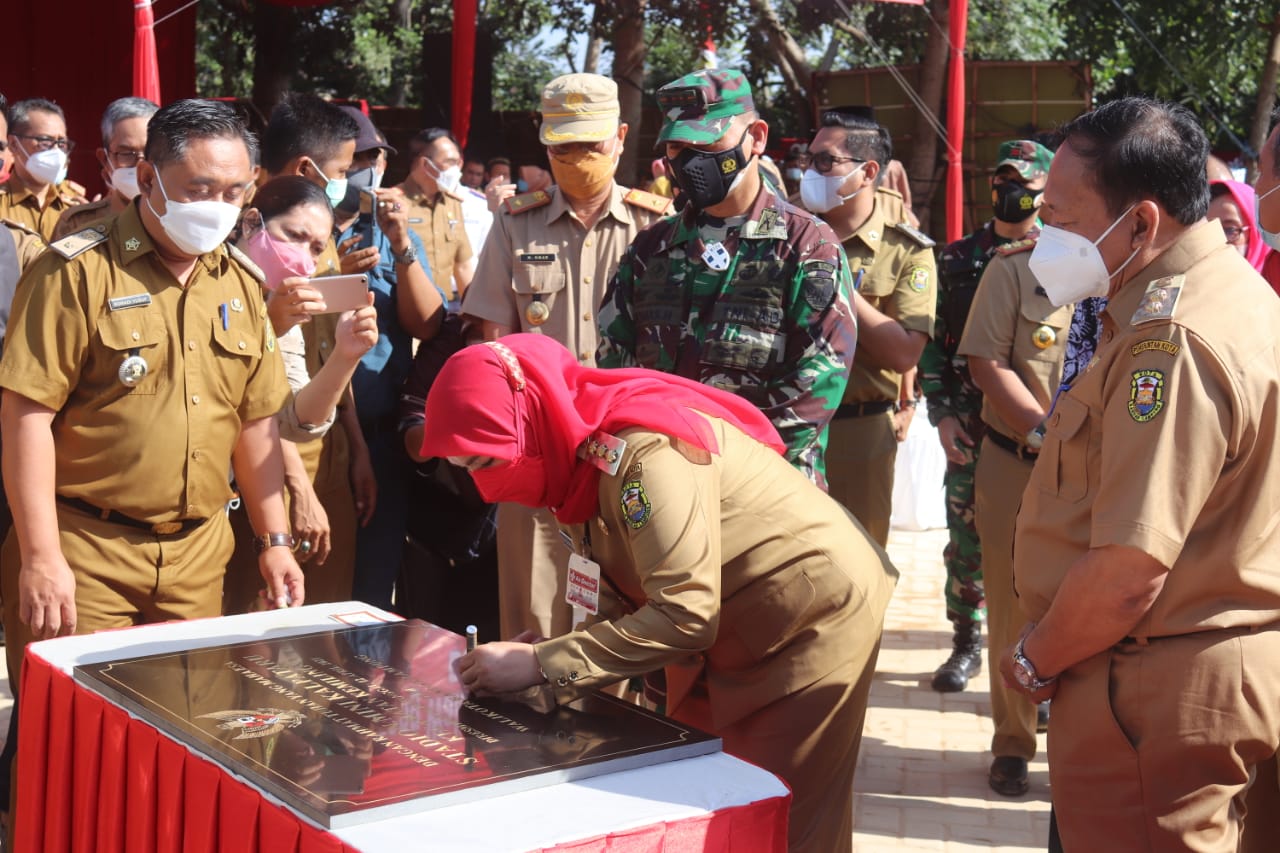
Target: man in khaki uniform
544,269
124,140
1145,550
895,281
435,212
38,191
1015,340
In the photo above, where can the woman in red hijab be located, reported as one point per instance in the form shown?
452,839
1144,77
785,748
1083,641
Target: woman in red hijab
1232,204
696,549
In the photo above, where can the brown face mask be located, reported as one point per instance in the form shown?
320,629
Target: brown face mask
584,174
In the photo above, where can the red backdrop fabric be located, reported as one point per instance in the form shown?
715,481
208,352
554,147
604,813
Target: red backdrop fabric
146,68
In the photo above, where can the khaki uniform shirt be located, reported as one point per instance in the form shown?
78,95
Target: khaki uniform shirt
893,269
1167,443
539,253
83,216
764,602
19,205
439,223
159,451
1013,322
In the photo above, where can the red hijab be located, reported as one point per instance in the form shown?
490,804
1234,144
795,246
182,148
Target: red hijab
526,400
1256,249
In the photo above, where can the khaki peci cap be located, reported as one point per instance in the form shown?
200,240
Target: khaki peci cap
579,108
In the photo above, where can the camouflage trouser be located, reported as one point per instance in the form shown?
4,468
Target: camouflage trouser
962,555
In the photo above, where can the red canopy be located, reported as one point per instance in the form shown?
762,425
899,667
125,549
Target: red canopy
146,67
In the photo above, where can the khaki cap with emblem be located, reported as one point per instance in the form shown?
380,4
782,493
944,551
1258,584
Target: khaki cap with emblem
579,108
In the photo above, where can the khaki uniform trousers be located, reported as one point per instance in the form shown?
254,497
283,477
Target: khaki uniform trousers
998,483
1262,825
1152,745
124,576
861,452
532,573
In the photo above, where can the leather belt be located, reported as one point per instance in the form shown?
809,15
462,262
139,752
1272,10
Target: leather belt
1018,449
858,410
163,528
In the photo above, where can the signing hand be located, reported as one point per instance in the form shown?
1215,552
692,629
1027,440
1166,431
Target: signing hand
499,668
956,443
285,587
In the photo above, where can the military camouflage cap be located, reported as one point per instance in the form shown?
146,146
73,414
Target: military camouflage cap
1031,159
579,108
697,107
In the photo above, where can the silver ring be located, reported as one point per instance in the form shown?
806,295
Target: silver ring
305,546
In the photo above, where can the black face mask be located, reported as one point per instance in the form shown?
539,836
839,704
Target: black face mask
706,177
1013,202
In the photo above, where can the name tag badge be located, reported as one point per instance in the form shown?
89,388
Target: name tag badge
583,589
120,303
537,257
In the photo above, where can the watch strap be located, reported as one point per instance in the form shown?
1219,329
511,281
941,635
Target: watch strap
272,540
1034,681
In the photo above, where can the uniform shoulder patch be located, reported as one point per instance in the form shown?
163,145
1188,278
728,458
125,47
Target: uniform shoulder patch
1155,346
1146,394
526,202
79,242
636,508
919,278
651,202
1016,247
1159,300
921,239
18,226
249,266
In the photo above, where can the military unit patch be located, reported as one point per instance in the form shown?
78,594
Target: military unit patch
1146,394
1158,346
919,279
635,504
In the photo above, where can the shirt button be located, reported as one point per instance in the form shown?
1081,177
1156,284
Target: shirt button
242,345
137,336
324,345
587,243
582,356
191,345
586,279
1056,417
195,399
191,508
1108,335
195,454
586,316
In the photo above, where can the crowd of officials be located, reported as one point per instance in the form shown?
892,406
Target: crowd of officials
650,435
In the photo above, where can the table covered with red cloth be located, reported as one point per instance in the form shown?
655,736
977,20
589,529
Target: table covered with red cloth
93,778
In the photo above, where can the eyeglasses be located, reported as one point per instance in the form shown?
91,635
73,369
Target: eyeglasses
1235,233
823,162
127,158
44,143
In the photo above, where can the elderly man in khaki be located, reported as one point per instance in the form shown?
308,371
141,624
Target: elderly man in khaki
1015,340
896,296
544,269
1146,545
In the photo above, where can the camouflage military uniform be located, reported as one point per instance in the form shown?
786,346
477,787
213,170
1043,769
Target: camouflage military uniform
776,326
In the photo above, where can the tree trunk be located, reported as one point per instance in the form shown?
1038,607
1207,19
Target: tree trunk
629,49
274,51
402,16
595,42
922,166
797,76
1266,99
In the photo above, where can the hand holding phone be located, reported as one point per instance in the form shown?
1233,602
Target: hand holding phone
342,292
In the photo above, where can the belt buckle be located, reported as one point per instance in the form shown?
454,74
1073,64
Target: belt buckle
166,528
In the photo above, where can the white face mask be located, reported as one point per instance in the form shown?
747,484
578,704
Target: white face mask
821,193
195,227
1069,267
125,182
49,167
1271,238
449,179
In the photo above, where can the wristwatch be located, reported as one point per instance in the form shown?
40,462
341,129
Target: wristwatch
409,256
1025,671
272,540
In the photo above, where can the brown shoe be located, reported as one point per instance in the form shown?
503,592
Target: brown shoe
1008,776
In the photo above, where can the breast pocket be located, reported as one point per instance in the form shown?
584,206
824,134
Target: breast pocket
1065,456
1043,330
537,283
135,350
235,350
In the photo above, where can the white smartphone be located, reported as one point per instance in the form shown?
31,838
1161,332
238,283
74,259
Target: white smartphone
343,292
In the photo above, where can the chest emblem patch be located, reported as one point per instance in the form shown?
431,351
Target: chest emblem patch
1146,394
635,504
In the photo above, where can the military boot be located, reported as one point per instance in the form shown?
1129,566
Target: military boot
965,661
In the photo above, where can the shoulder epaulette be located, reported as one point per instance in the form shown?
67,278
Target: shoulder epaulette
88,207
1016,247
527,201
79,242
651,202
18,226
244,261
922,239
888,191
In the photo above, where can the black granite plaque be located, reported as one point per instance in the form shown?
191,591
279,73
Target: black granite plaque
363,723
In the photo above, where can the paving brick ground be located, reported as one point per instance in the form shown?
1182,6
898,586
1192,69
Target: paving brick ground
922,774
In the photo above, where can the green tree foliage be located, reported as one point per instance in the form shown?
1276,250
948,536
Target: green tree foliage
1214,52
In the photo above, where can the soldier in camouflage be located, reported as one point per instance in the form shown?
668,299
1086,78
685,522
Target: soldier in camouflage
740,290
955,402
